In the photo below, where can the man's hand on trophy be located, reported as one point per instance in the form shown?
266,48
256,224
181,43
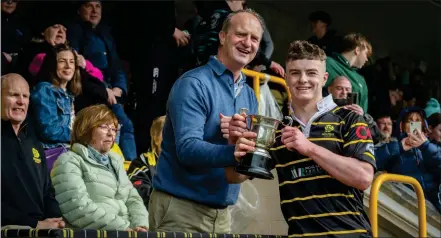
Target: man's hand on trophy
245,144
238,125
233,127
225,125
294,139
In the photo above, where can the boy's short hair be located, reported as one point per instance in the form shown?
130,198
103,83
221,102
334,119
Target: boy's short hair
300,49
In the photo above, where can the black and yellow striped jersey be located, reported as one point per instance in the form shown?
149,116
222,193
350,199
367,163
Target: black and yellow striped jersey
313,203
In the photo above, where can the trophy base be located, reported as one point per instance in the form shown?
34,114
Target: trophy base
255,165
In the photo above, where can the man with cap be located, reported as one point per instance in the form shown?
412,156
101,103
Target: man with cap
28,197
323,37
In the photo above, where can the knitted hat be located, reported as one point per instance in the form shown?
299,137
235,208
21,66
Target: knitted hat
432,107
49,20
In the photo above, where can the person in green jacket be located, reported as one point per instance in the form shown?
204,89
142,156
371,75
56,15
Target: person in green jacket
90,182
355,50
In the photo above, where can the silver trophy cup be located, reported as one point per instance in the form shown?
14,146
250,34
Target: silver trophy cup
258,163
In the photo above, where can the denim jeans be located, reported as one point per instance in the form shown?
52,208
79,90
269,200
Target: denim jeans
127,137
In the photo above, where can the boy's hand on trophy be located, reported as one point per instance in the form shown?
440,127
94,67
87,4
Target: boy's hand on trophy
294,139
245,144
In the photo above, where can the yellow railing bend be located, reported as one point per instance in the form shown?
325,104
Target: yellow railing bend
257,77
373,201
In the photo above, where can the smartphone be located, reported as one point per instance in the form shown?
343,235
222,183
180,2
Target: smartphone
353,98
415,125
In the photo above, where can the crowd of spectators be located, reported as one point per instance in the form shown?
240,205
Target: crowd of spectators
75,80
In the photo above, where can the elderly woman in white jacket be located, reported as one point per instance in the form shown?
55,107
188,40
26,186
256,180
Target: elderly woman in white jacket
90,182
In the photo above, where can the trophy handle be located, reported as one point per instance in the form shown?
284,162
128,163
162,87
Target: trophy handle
289,119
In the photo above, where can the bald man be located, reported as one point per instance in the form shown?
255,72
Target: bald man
339,88
27,193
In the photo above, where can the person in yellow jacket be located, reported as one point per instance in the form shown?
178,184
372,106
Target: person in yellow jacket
142,169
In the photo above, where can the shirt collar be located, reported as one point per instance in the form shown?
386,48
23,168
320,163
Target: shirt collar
241,79
216,65
324,105
220,69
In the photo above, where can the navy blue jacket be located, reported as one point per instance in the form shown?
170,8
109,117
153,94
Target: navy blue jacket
97,45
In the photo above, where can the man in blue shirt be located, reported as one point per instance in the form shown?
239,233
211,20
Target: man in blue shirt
191,193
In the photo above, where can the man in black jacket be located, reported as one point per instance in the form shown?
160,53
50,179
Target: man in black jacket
152,51
27,194
325,38
15,34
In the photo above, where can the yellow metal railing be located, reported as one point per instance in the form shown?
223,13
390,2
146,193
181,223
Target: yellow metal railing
373,201
257,77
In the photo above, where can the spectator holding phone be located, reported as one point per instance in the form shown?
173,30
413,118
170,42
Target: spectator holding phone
341,90
413,155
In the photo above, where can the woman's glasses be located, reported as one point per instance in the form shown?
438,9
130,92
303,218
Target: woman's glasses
109,128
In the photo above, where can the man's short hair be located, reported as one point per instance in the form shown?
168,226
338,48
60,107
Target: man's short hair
353,40
300,50
227,22
320,16
339,77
